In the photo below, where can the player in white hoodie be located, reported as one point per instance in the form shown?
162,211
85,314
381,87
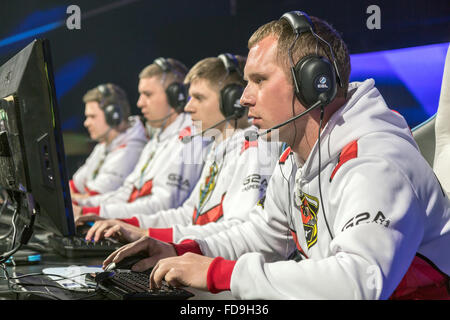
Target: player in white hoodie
167,169
120,138
236,171
359,210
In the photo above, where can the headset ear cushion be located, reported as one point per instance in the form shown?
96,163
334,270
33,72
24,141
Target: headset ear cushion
113,115
177,96
315,76
230,96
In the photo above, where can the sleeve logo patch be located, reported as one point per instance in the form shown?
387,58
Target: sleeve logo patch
254,181
365,217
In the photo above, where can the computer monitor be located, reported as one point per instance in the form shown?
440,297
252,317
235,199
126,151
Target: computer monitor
32,158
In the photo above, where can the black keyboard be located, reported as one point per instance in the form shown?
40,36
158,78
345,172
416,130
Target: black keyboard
77,246
130,285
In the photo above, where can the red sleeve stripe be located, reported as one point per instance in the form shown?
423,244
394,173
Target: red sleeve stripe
120,147
163,234
248,144
219,273
185,132
187,246
285,155
133,221
349,152
91,192
73,187
91,210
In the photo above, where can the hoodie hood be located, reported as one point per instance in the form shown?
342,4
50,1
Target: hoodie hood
134,134
364,113
182,121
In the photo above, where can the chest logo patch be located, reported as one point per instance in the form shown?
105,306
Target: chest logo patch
309,208
208,185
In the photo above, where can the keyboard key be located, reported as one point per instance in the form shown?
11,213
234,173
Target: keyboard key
136,285
77,246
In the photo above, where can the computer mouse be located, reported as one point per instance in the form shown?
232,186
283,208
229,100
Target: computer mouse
126,263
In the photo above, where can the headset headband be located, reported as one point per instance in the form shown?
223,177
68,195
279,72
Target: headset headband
230,62
163,63
300,23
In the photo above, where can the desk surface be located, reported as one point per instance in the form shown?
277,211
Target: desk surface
52,259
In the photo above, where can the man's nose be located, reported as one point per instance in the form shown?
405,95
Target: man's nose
189,107
139,103
247,98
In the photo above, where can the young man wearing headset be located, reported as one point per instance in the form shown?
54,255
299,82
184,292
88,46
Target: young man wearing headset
120,138
236,171
352,201
167,169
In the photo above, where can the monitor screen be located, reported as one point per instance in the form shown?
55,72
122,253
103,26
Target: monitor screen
32,158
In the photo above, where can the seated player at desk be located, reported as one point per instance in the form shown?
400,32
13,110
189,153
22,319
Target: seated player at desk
353,198
120,140
167,169
236,171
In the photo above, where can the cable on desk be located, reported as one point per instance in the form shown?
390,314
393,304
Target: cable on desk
55,280
2,209
5,200
13,222
24,236
11,284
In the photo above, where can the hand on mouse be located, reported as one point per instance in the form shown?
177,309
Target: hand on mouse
154,249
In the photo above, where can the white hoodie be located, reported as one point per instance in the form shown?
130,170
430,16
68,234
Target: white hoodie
384,207
108,165
163,178
234,179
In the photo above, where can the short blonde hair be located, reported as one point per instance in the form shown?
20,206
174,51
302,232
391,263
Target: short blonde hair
214,70
307,44
117,96
176,74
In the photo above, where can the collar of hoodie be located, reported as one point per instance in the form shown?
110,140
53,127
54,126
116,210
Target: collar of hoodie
365,112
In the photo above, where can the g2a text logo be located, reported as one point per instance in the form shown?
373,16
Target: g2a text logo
178,181
365,217
254,181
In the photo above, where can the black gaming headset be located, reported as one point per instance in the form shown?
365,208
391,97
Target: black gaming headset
230,95
113,112
314,76
176,91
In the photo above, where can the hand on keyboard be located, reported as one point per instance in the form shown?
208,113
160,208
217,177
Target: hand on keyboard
189,270
154,249
135,285
83,219
117,229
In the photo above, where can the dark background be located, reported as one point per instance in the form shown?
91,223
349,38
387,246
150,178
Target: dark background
120,37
